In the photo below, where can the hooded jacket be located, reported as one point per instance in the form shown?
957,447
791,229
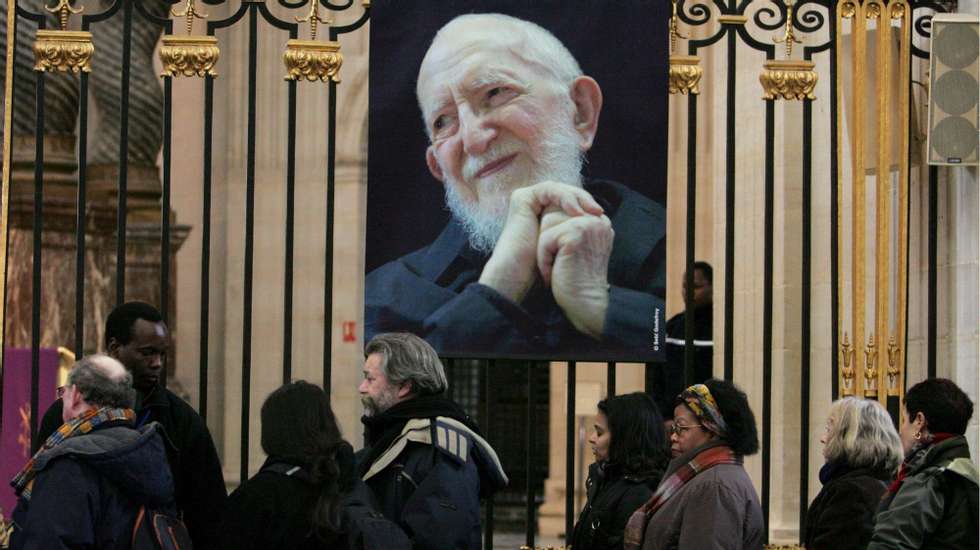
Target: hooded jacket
935,506
429,467
88,490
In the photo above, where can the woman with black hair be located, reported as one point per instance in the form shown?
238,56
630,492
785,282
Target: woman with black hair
630,451
706,499
933,501
304,495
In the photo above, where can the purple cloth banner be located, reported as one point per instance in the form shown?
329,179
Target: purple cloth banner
15,437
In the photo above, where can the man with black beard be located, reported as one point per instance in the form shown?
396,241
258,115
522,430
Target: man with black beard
423,456
535,260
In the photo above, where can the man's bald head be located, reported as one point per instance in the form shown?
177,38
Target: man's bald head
103,382
527,41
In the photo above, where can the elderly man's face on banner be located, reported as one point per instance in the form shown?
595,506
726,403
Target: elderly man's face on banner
498,119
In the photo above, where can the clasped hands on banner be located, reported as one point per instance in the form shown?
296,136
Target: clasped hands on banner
561,233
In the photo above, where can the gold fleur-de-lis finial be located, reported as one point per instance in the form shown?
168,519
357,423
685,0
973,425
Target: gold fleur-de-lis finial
789,36
64,9
190,13
314,18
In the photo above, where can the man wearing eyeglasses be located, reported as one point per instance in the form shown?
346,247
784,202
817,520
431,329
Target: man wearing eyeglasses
85,485
137,337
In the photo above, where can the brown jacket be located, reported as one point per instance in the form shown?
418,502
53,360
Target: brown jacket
718,509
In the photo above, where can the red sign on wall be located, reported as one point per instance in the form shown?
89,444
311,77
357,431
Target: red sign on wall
350,331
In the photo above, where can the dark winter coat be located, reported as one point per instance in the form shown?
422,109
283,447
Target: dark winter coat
612,498
274,510
935,506
668,377
428,467
198,481
88,490
842,516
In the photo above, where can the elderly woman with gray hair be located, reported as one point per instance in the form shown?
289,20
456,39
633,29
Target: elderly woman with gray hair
863,453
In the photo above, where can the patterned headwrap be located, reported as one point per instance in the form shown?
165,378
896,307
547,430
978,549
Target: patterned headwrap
699,399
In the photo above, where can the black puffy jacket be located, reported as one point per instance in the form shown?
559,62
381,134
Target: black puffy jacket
612,498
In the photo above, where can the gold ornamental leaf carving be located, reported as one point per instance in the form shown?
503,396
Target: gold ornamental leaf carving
63,51
311,60
189,56
897,10
685,75
872,10
848,9
788,79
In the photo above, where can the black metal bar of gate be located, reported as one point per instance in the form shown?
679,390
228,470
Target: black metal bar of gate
37,230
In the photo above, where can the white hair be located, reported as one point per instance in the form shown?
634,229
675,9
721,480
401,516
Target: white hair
861,433
535,44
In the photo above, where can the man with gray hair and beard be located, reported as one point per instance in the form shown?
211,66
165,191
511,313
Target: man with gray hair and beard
423,456
535,259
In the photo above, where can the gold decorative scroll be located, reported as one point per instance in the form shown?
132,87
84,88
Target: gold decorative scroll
63,51
788,79
309,59
189,55
878,120
685,74
871,368
685,71
847,368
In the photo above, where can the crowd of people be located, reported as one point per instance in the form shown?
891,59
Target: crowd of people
118,445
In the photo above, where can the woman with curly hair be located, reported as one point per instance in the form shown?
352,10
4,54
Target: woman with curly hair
933,501
706,499
630,451
863,453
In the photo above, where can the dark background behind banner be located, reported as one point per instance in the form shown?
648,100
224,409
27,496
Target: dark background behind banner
623,45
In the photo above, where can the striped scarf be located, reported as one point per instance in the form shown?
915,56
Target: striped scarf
637,524
23,482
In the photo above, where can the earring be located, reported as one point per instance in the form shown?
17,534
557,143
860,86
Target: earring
918,435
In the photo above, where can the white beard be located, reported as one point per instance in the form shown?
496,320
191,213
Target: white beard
483,220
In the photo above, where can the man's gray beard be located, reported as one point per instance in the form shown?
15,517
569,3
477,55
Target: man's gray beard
560,160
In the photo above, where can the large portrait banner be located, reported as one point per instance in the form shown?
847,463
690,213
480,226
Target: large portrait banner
517,158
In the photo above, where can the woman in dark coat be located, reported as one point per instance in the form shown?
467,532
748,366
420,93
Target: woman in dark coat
630,450
863,453
300,497
933,501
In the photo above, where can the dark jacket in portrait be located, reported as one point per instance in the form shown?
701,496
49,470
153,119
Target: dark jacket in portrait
89,488
434,292
613,496
935,506
193,460
668,377
842,515
428,467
